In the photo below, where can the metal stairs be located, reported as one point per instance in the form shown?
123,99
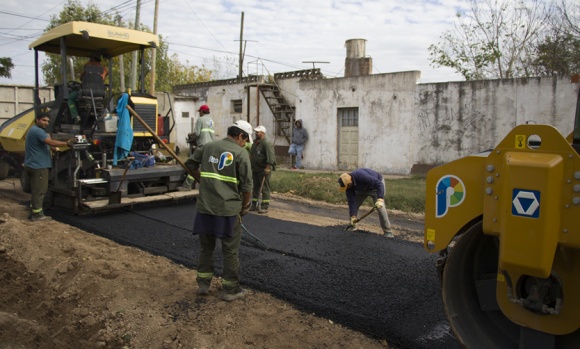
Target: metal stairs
282,111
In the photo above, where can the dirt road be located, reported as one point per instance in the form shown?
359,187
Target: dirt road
63,287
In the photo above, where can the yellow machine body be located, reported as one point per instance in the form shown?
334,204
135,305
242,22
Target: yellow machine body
526,193
13,135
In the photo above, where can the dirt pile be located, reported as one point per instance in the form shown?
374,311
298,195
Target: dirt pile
61,287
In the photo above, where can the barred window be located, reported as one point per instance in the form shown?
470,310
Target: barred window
348,116
237,105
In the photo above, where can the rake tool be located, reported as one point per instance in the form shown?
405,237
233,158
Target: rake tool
253,238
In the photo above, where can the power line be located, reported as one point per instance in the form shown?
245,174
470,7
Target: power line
24,16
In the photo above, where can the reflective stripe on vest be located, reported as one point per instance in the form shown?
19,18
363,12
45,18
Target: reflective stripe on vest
219,177
207,130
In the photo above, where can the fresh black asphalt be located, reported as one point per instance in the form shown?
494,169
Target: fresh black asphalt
385,288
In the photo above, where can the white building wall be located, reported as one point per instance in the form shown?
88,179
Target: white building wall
461,118
183,125
14,99
401,123
385,105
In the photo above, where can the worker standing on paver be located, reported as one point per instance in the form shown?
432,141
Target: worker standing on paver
204,133
263,162
224,173
359,185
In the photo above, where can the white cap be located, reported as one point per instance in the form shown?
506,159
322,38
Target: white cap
260,129
244,126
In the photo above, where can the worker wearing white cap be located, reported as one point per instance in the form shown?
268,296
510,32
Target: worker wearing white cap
224,173
263,162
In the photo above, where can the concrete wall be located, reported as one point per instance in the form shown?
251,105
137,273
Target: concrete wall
453,120
15,99
386,104
401,123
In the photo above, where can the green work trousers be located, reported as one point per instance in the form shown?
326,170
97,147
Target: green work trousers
258,177
72,104
38,187
231,267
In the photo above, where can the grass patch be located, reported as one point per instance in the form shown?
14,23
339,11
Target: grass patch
406,194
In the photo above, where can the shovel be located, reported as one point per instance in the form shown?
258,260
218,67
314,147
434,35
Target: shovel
115,196
352,228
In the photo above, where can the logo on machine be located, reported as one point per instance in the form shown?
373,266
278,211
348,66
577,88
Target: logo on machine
450,193
526,203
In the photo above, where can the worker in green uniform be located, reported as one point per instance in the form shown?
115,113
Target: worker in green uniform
224,173
204,134
263,162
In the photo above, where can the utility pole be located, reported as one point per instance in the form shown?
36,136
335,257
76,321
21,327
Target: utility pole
134,61
154,51
241,61
121,63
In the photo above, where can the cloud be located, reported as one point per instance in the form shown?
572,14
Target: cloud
282,33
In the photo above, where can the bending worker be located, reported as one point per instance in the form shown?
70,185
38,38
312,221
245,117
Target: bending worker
360,184
225,187
263,162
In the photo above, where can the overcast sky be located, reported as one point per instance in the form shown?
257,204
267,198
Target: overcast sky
280,34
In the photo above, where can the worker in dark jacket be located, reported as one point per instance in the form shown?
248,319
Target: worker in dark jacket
224,173
263,162
360,184
299,138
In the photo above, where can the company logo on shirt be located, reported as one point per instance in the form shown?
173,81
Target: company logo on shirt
226,159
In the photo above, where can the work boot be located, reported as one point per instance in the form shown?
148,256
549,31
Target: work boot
203,289
228,297
37,217
389,233
351,227
254,207
263,209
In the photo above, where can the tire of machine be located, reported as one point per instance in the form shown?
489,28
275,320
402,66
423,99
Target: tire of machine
473,258
473,255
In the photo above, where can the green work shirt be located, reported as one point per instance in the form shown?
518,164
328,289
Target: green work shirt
262,154
225,173
204,130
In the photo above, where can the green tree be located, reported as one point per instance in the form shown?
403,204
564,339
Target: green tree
170,71
6,66
493,39
558,55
